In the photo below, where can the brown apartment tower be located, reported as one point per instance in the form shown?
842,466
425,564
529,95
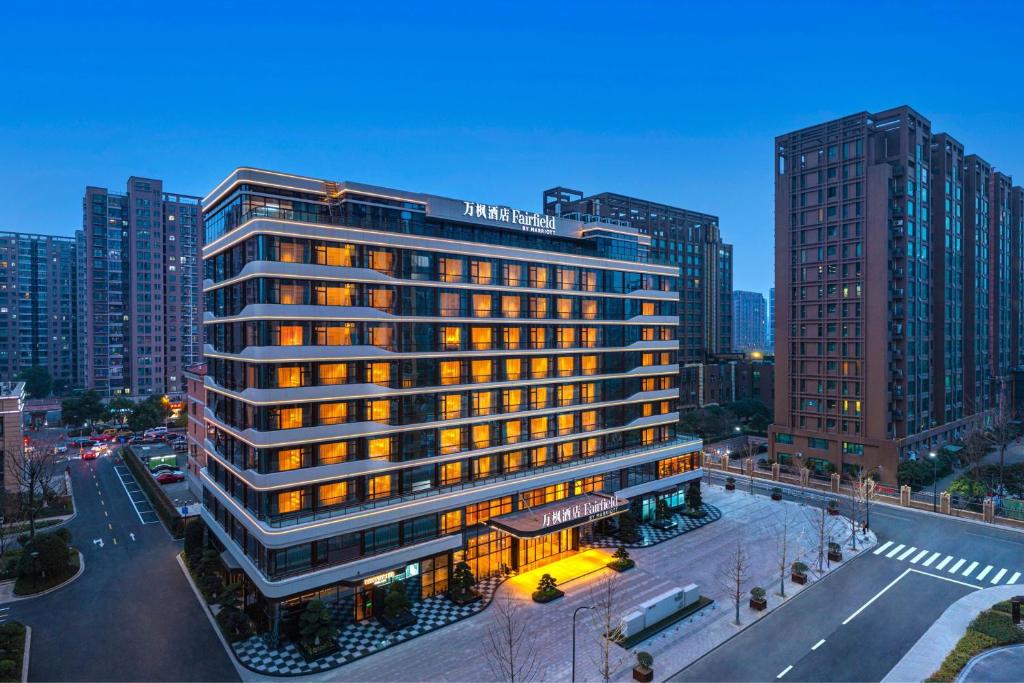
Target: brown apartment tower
898,286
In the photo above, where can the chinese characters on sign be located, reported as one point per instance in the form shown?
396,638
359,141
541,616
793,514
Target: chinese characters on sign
527,220
586,511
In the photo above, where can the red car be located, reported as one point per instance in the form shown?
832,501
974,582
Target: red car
170,477
103,437
89,454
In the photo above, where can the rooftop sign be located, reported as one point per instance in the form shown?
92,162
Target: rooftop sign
526,220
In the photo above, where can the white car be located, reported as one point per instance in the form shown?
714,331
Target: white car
155,431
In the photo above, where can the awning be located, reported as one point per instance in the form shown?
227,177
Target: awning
562,514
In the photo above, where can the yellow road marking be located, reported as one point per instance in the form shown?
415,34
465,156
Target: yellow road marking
110,526
115,541
105,514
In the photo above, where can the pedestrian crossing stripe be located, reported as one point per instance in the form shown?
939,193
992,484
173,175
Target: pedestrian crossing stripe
970,568
895,550
913,555
917,558
907,554
998,576
956,567
942,565
984,573
1013,579
928,562
881,549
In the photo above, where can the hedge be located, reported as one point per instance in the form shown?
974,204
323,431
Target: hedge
163,506
991,628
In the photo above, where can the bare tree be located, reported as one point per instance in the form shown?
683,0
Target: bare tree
607,622
786,546
735,575
863,495
33,470
9,517
511,644
823,527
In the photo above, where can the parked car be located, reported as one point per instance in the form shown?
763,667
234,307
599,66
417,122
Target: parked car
61,448
155,431
171,477
157,469
81,442
103,437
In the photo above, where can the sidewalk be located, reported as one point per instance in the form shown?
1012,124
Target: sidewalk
938,641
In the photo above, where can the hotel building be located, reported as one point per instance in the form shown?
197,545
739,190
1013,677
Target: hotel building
399,381
898,282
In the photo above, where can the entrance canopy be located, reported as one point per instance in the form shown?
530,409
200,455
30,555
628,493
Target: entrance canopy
562,514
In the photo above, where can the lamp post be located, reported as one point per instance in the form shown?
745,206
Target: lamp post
935,483
574,613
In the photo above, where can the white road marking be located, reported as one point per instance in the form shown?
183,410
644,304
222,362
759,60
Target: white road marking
98,541
970,568
942,565
945,578
818,644
784,671
1013,579
132,535
876,596
956,567
928,562
895,550
906,554
998,576
917,558
881,549
984,573
121,479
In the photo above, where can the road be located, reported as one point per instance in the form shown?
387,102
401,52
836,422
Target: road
856,624
132,615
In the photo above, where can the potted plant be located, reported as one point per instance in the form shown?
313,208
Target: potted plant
758,600
799,574
460,588
547,589
730,483
835,553
776,493
317,631
397,613
833,507
622,561
642,671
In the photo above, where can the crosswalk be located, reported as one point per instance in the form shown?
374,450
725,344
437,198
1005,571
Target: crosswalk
4,613
957,566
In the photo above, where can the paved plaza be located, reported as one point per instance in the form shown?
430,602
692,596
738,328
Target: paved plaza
459,652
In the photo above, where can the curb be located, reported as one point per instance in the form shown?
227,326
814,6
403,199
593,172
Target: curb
25,656
81,570
962,676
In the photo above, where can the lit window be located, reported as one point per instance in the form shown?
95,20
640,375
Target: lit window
539,276
513,274
451,372
566,451
538,307
338,335
538,427
450,440
538,337
451,406
538,368
382,336
481,305
331,453
451,338
588,281
483,467
378,373
382,299
333,373
483,403
291,335
538,397
333,494
566,278
288,377
511,306
451,521
647,308
378,487
451,472
481,370
588,447
290,418
588,420
450,304
481,436
332,413
588,309
566,394
514,461
565,424
539,457
290,294
382,261
566,337
513,431
647,359
289,501
512,337
378,449
564,308
379,411
450,270
335,256
289,459
566,365
339,296
588,365
288,252
512,400
513,369
482,272
482,337
588,337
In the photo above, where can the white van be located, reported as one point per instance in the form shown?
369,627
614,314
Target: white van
155,431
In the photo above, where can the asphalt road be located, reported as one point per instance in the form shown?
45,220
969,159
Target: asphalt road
856,624
131,616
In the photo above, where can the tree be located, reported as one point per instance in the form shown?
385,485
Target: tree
148,414
84,408
45,555
511,646
734,576
316,625
784,544
607,622
661,511
9,515
118,408
694,501
194,539
823,527
33,470
462,581
396,602
38,381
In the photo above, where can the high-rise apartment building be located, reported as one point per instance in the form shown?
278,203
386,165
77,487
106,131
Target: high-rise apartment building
770,332
397,382
897,268
748,321
141,279
39,300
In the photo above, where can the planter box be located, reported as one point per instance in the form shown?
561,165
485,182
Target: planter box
799,578
643,675
542,598
398,622
615,566
758,604
835,556
321,652
776,496
833,511
468,599
730,487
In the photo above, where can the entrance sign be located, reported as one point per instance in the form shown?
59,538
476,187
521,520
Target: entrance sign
563,514
586,511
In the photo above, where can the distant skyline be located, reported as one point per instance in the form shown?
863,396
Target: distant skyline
678,103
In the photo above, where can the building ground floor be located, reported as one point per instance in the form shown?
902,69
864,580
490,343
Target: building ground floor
512,542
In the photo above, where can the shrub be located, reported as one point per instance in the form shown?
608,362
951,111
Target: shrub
193,540
65,534
1004,606
971,644
53,557
990,628
694,500
644,660
997,625
211,585
799,568
462,580
757,593
396,602
661,510
316,625
621,555
7,669
547,585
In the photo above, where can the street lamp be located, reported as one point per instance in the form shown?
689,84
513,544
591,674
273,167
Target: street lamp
935,483
574,613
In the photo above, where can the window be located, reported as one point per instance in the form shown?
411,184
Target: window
481,435
538,368
588,309
291,335
538,397
290,294
289,501
539,276
538,307
451,338
378,487
337,296
289,418
288,377
382,336
821,444
566,450
481,305
566,394
451,406
588,337
588,420
289,459
512,400
538,337
335,255
451,472
513,431
588,365
450,440
512,337
332,413
382,262
333,373
449,303
382,299
566,337
379,411
481,370
566,366
378,449
451,521
333,494
783,438
331,453
647,308
451,372
483,402
565,424
450,270
513,369
378,373
566,278
482,272
563,308
512,274
853,448
588,281
482,337
336,335
538,427
511,306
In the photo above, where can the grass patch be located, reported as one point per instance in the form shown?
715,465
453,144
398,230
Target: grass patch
992,628
12,651
668,621
28,585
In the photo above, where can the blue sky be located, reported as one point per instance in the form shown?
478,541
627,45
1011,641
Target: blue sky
677,102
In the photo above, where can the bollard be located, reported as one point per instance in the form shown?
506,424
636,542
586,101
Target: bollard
1015,608
945,506
776,471
835,482
905,496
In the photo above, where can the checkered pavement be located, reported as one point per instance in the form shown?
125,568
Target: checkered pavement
651,536
361,639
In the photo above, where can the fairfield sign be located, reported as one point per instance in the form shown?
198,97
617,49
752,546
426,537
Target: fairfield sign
586,511
526,220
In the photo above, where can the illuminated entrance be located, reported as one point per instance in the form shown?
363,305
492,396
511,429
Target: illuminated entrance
548,533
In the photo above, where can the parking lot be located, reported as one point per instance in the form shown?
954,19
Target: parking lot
135,494
149,454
